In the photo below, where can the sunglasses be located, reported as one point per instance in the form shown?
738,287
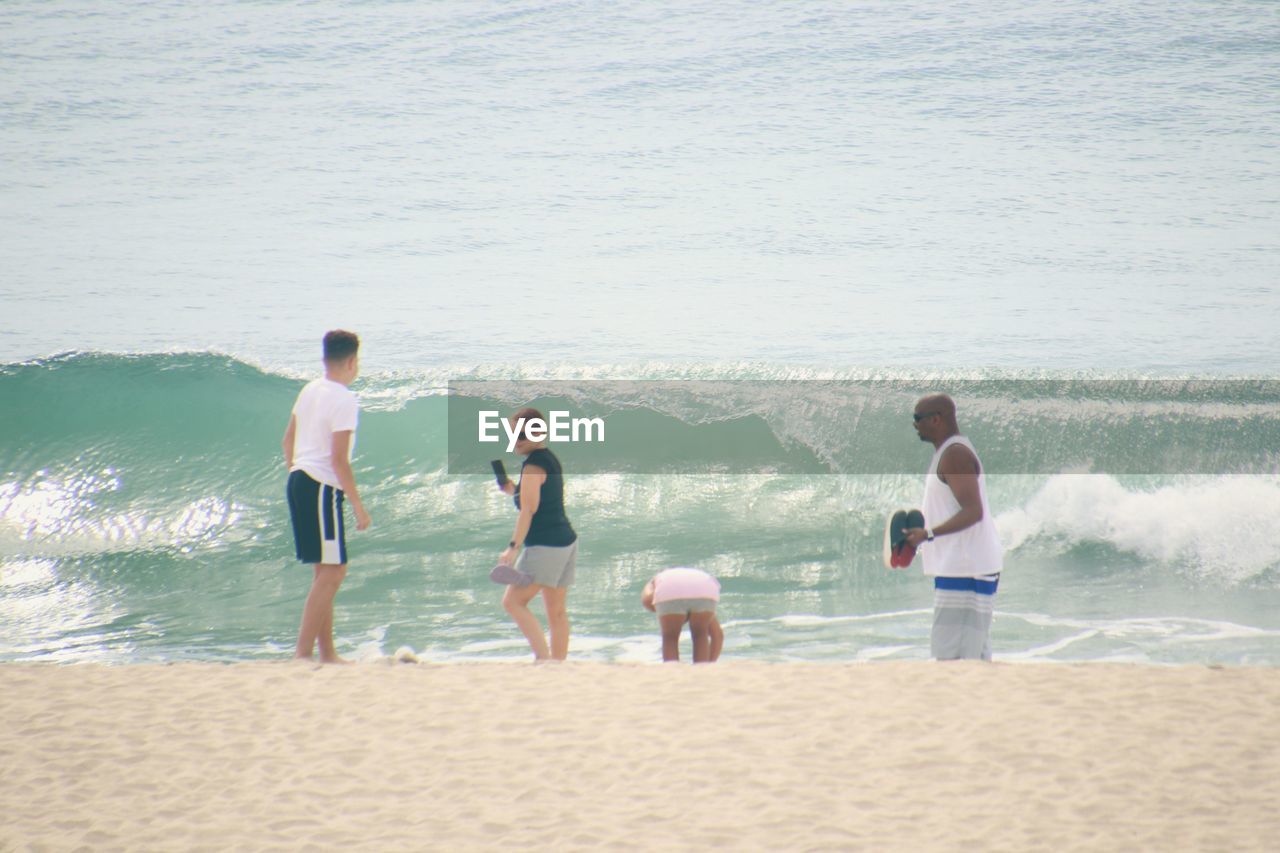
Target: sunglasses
919,416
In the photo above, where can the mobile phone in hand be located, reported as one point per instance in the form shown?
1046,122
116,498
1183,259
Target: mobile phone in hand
500,473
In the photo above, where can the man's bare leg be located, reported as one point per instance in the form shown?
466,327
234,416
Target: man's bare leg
553,598
671,625
317,614
516,601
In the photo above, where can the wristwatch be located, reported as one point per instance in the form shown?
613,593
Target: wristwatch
511,544
928,534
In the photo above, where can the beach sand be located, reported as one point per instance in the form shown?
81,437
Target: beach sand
739,755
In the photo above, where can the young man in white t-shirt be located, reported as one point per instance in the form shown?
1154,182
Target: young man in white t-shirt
317,451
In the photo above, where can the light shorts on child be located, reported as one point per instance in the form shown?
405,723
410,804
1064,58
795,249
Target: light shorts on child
685,606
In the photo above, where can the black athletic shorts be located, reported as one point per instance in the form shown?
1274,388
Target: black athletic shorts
316,512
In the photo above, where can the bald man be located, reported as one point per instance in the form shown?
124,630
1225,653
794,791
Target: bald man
958,545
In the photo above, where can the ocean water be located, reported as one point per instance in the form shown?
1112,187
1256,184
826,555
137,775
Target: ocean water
926,194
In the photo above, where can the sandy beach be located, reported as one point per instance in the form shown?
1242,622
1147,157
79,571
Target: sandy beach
739,755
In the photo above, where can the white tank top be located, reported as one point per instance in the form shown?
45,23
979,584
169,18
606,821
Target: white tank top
972,552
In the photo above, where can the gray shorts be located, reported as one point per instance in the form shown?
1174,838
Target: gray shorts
962,611
549,565
686,606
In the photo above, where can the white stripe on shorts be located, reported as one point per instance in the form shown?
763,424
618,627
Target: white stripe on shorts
330,553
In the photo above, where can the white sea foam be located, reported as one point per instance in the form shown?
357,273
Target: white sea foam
1146,639
1223,527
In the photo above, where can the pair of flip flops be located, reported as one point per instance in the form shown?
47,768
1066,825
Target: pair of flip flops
897,553
509,576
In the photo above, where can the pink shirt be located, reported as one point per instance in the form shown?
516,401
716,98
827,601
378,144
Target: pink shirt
673,584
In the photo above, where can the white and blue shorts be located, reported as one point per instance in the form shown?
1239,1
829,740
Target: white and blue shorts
316,512
962,610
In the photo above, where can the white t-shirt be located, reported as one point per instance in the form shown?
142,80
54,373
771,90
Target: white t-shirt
323,408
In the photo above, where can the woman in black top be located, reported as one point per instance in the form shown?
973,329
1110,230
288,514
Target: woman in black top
545,541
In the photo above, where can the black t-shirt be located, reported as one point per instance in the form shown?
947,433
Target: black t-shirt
549,526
